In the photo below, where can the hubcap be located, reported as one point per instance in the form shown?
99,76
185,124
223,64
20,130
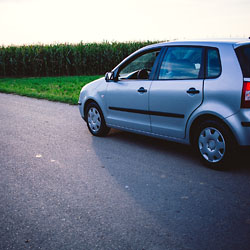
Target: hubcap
94,119
212,144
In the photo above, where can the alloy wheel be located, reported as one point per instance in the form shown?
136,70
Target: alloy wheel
94,119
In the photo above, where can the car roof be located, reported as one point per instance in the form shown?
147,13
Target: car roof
208,42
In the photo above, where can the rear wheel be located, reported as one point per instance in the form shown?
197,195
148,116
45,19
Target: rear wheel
214,144
95,120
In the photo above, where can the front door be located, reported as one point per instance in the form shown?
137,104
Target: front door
127,98
126,101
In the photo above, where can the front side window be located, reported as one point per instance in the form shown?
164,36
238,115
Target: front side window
140,67
181,63
213,63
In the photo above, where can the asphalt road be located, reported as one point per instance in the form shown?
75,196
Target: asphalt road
62,188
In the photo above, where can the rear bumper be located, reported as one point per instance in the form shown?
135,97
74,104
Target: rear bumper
240,125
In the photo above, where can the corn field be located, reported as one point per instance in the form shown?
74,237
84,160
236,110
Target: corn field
64,59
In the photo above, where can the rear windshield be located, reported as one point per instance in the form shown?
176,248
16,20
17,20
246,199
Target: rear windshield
243,54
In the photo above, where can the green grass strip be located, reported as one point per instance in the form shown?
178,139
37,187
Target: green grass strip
61,89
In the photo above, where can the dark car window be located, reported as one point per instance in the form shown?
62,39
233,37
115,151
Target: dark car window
213,68
140,67
243,54
181,63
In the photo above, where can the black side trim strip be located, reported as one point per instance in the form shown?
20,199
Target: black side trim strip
145,112
245,124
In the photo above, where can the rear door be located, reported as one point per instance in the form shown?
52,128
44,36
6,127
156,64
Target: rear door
177,90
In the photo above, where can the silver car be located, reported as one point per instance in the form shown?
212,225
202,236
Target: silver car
195,93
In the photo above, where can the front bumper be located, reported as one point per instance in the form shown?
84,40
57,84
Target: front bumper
80,106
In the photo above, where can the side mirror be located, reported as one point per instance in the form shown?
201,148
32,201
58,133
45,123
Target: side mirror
109,76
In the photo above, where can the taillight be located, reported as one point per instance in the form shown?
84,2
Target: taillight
245,98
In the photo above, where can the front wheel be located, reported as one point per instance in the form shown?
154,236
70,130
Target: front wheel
95,120
214,144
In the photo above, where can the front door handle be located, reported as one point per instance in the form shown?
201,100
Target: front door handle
193,91
141,90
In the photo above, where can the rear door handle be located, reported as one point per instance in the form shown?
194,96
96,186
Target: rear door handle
193,91
141,90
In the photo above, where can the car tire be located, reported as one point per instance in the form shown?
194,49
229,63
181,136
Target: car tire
215,144
95,120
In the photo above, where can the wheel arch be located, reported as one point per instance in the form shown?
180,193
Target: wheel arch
205,117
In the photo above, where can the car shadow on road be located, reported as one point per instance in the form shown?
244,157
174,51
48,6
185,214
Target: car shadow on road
160,176
241,161
154,144
117,138
167,181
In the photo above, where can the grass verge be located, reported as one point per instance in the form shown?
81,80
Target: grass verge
61,89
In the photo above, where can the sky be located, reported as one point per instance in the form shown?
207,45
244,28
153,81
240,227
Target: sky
74,21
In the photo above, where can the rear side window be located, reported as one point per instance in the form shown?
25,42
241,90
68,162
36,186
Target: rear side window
213,69
243,54
181,63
